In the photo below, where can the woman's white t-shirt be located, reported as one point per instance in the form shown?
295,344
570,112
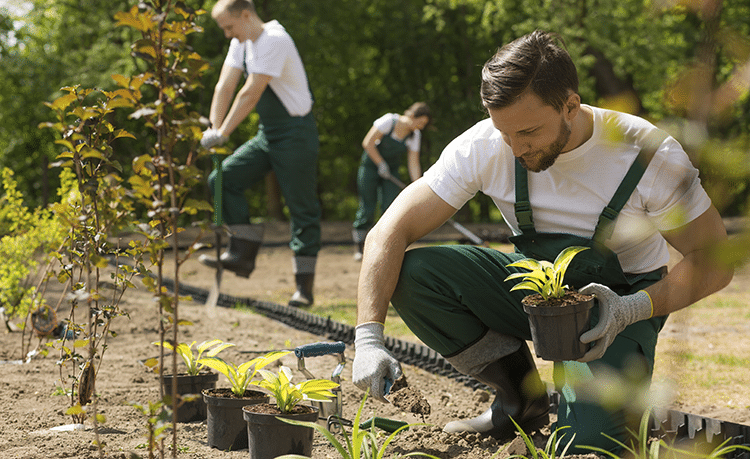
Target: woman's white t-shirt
385,124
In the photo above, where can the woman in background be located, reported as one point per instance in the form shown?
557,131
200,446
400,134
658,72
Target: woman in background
390,137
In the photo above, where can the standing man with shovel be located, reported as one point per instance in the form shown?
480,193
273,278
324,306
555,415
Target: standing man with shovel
276,86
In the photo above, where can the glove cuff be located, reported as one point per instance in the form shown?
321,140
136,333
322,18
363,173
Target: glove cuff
643,305
369,334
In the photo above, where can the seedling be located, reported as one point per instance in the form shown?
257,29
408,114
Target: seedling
545,278
211,348
288,395
240,376
362,444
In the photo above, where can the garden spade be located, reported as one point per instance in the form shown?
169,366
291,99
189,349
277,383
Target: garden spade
213,295
459,227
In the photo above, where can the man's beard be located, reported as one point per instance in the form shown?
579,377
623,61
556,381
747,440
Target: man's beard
548,156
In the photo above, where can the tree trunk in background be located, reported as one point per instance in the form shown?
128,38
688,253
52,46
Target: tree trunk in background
273,197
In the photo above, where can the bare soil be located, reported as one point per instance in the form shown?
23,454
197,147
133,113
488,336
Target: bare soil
703,359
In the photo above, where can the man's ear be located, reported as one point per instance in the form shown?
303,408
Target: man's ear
572,105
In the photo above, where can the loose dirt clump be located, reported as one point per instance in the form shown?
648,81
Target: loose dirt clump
409,399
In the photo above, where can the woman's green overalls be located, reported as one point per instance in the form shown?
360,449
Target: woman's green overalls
288,145
449,296
373,188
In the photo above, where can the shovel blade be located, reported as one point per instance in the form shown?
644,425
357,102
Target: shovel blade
213,294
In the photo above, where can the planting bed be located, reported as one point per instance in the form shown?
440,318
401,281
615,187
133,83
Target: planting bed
703,355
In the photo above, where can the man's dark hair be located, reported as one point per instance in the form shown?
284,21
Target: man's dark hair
534,61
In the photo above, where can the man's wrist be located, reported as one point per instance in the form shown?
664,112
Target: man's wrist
369,333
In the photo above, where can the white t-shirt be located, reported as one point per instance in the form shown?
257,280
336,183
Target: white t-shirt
274,54
385,123
569,196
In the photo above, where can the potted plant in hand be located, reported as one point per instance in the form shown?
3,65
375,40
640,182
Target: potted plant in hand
196,378
557,315
226,427
268,436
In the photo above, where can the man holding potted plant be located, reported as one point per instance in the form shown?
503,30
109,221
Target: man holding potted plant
276,87
563,174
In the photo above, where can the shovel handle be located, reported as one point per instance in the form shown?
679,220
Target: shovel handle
318,349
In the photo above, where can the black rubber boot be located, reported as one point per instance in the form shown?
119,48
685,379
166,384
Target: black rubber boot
520,394
239,257
303,297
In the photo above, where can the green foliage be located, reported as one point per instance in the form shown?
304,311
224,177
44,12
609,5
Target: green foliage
26,236
158,423
368,58
211,348
288,395
361,444
241,376
550,449
545,278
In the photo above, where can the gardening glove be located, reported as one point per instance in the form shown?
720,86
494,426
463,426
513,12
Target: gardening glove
615,313
373,364
212,138
384,171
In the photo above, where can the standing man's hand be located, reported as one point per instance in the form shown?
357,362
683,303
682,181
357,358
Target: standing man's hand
615,313
373,364
384,171
212,138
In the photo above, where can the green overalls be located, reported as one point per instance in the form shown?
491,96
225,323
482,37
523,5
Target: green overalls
371,186
288,145
450,296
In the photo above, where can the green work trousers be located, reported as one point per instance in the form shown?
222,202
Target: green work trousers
450,296
373,189
292,153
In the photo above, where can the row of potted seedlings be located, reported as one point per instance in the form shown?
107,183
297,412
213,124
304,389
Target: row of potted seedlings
239,417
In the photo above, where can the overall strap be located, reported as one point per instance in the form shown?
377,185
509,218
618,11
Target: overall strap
605,225
522,205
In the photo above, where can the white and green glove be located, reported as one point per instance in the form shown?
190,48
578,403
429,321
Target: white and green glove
373,364
384,171
615,313
212,138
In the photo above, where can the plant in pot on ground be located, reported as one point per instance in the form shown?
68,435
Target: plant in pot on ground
361,444
267,434
225,424
557,315
196,378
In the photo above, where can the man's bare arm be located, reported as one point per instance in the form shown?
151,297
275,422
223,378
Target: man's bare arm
229,78
414,213
699,273
244,103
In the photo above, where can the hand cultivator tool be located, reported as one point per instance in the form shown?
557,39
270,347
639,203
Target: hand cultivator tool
334,407
213,295
457,226
331,412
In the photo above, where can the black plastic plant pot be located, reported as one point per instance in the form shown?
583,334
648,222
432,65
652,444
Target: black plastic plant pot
556,330
227,430
268,437
193,410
